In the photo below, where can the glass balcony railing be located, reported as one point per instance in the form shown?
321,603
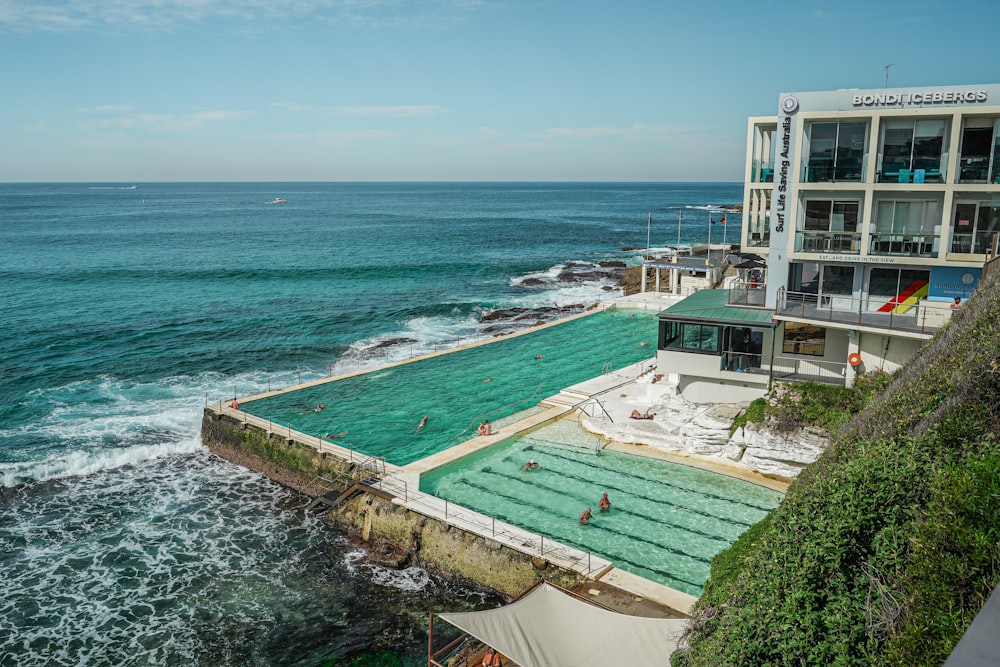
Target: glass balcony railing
848,243
980,243
763,172
759,239
904,245
919,316
750,294
978,170
824,170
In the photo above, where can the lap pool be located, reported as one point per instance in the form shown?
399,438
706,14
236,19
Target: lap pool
377,412
666,523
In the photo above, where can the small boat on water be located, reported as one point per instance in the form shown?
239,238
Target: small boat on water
279,200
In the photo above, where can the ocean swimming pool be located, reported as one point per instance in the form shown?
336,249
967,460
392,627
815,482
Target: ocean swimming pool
666,523
378,412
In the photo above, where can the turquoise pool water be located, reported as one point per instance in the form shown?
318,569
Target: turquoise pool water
666,523
380,410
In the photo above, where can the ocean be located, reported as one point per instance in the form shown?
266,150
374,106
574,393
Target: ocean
126,307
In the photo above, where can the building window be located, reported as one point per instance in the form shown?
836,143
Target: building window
913,151
836,152
975,228
804,339
979,151
909,228
689,337
830,226
896,291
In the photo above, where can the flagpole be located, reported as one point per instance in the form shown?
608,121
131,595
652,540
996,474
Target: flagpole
649,222
680,219
724,221
709,257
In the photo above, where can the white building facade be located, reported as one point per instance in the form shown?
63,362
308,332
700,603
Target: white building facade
874,209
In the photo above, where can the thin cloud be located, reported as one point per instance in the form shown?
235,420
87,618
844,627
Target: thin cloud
107,108
292,106
69,15
634,131
400,111
188,122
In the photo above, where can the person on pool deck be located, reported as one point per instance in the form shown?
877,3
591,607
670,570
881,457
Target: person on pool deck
604,503
585,517
637,415
422,423
486,428
532,465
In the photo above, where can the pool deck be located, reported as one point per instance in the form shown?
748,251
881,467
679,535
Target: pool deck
611,389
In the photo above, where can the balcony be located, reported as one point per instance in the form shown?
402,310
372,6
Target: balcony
747,294
920,172
846,243
919,317
978,170
903,245
763,172
822,170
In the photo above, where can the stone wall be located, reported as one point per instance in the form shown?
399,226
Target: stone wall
396,535
434,544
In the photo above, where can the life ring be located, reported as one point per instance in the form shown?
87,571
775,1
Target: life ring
854,359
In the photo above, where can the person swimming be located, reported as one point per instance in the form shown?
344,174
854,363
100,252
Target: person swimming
586,516
604,503
423,422
531,465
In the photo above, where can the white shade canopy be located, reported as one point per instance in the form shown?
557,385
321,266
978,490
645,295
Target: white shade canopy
549,628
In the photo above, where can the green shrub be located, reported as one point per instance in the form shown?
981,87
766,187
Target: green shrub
883,551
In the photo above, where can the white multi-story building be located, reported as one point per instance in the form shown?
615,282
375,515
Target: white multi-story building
874,209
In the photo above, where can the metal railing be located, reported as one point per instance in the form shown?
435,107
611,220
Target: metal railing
818,369
747,293
918,316
742,362
906,245
533,544
463,518
847,243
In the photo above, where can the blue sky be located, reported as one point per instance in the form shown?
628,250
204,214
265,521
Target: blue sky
427,90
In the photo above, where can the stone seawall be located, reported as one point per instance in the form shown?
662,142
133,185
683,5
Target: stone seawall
433,543
396,534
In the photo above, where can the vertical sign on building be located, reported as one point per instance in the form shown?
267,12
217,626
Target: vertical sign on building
781,224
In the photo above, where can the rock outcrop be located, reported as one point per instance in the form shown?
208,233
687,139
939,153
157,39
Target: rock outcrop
699,430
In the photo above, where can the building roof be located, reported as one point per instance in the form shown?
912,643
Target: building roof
710,305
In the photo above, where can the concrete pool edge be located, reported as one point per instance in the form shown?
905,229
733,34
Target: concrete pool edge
537,555
590,310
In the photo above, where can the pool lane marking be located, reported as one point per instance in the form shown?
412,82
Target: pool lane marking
610,555
537,483
656,480
606,486
563,518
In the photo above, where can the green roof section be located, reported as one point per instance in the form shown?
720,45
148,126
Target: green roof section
710,305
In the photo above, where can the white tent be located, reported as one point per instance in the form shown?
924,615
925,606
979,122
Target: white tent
549,628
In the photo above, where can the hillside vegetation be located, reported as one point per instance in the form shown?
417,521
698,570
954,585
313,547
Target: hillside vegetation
884,550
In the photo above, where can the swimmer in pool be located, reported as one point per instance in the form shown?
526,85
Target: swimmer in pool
604,503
